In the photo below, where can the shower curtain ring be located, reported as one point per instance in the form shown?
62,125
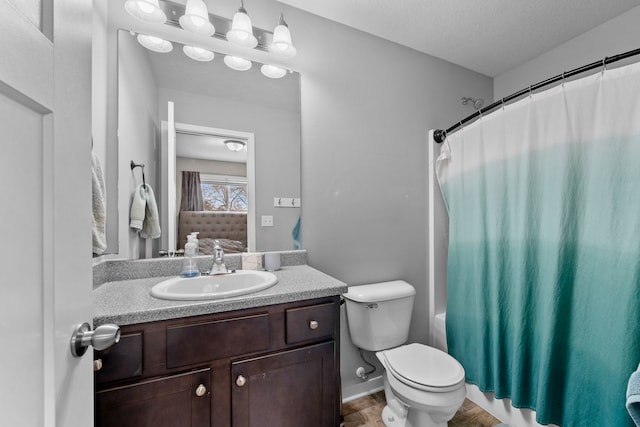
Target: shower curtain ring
604,65
563,79
502,104
530,91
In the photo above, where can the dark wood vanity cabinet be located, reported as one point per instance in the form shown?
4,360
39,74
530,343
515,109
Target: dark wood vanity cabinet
268,366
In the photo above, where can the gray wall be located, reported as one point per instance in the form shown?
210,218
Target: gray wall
367,106
618,35
139,135
277,153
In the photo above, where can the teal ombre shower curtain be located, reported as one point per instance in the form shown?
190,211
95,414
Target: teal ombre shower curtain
543,292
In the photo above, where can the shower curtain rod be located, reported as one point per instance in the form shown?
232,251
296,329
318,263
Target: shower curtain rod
439,135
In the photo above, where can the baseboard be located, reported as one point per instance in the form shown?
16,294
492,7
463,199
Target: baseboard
502,409
365,388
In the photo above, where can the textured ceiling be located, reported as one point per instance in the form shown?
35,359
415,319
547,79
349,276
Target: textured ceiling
487,36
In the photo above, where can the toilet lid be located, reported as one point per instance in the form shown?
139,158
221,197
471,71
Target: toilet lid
428,366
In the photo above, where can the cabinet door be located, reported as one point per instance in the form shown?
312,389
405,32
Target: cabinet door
295,388
177,400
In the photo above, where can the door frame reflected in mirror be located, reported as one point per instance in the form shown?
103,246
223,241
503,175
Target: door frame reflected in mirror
169,175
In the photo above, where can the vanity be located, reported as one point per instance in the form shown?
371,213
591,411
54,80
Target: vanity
269,358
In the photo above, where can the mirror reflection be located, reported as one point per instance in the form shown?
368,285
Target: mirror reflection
220,147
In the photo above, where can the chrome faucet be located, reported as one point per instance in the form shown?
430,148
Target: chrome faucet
218,266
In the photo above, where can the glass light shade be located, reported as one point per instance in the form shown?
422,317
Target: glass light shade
272,71
241,32
198,53
196,18
281,44
154,43
234,144
146,10
237,63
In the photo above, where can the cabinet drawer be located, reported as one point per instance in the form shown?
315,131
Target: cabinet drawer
203,342
122,361
310,323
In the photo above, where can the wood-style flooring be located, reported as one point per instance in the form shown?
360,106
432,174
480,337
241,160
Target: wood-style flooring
366,412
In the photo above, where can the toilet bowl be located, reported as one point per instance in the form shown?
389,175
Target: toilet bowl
424,386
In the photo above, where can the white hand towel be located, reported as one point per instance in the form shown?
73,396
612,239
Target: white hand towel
99,207
138,206
151,226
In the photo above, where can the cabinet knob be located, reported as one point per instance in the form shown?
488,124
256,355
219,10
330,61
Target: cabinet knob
201,390
240,381
313,324
97,365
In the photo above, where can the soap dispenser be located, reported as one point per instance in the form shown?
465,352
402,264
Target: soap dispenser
189,266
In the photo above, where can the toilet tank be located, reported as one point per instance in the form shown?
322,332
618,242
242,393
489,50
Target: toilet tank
379,314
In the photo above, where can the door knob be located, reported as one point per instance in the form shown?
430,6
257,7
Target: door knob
201,390
240,381
103,337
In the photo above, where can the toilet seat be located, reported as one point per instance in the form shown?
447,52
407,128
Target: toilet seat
425,368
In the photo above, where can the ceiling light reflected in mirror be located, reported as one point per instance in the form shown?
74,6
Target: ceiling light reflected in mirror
154,43
198,53
235,144
237,63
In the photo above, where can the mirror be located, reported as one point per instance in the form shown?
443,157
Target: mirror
229,104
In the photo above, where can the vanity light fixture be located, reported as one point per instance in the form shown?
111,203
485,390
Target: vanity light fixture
146,10
241,32
237,63
196,18
272,71
154,43
281,44
235,144
198,53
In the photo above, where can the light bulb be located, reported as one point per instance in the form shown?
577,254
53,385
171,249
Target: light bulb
281,44
241,32
198,53
146,10
154,43
272,71
196,18
237,63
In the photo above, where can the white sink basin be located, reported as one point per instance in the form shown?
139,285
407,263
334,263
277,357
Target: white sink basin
241,282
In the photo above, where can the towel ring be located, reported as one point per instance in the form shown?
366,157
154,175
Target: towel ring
141,166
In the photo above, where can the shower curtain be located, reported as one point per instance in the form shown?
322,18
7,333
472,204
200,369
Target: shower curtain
543,275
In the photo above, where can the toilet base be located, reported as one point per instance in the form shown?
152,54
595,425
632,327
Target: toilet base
409,407
396,414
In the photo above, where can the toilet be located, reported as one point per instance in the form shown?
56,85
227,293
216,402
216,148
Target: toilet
424,386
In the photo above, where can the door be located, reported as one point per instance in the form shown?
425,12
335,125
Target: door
294,388
45,182
172,401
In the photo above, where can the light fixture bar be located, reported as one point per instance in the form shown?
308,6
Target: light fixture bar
174,11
